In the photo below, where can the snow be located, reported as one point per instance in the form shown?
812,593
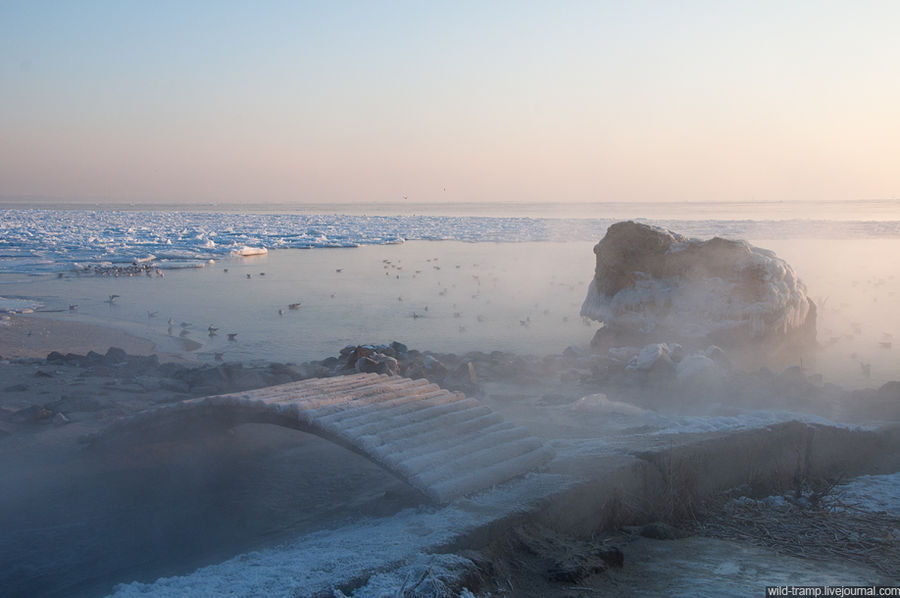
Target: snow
873,493
41,240
648,356
876,493
18,305
599,403
694,366
698,424
322,560
244,251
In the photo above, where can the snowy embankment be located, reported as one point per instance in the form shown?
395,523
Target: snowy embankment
372,547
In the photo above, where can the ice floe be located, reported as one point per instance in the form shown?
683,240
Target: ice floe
47,240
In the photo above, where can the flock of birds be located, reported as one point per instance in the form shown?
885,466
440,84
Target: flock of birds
393,269
471,283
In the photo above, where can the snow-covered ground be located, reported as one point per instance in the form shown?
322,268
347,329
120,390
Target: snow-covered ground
318,561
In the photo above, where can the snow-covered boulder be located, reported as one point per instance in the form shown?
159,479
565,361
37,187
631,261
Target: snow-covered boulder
653,283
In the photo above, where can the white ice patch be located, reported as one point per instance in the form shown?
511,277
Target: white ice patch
18,305
698,424
877,493
599,403
247,251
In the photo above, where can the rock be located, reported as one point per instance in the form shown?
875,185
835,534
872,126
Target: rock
400,350
661,531
246,379
695,369
890,391
655,356
75,404
141,364
378,363
651,282
313,370
388,365
572,352
32,415
366,365
171,369
214,379
463,378
718,356
434,369
75,358
56,358
174,385
115,356
564,559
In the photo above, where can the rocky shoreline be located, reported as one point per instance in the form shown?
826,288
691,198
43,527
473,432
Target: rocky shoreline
50,405
658,376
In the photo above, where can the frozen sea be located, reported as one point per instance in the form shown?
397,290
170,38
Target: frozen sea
441,277
444,277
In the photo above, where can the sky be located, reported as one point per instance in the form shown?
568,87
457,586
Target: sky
390,101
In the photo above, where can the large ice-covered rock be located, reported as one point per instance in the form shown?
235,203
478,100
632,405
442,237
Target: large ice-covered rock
652,282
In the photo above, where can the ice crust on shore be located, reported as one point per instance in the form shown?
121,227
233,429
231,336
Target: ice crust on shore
321,560
49,240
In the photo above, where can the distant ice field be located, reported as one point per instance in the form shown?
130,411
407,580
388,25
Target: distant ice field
53,240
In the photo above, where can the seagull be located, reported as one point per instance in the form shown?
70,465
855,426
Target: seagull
225,270
212,330
171,322
112,299
152,314
280,312
339,270
248,276
294,305
232,336
73,307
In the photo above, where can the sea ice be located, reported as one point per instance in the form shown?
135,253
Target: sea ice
40,240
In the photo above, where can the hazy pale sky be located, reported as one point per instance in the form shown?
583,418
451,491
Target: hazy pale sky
337,101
